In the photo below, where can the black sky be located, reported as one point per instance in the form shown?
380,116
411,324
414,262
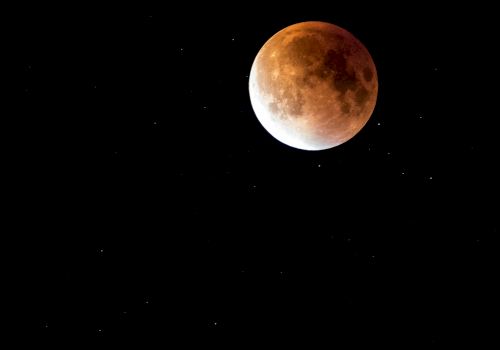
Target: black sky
150,205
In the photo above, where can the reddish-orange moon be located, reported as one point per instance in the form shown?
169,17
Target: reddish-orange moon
313,85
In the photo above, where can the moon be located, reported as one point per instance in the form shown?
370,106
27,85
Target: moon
313,85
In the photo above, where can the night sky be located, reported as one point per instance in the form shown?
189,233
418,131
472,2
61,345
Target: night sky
151,206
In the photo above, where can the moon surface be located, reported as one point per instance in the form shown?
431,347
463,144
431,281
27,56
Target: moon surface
313,85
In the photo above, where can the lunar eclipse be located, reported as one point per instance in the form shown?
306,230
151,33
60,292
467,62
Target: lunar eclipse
313,85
